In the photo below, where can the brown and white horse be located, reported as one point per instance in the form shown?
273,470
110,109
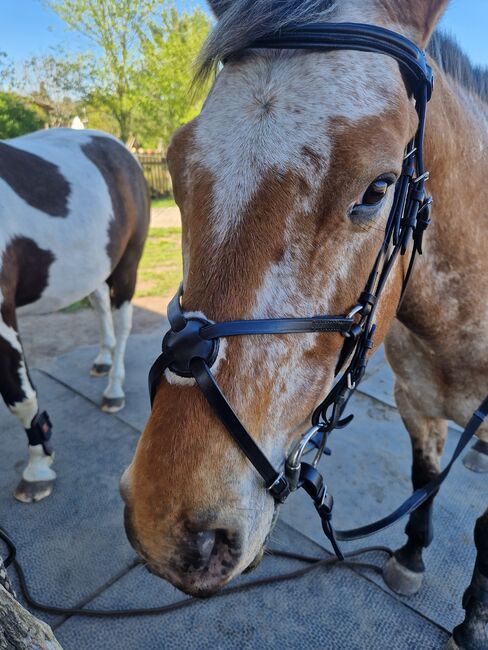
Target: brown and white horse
74,215
283,215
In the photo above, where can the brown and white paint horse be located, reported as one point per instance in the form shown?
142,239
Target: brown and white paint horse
74,215
282,216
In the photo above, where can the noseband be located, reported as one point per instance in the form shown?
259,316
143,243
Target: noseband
191,346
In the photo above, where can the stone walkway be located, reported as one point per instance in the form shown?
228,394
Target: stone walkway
75,552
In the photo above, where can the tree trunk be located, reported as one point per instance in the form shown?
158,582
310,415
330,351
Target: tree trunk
20,630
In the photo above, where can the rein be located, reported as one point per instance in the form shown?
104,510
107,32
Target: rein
190,347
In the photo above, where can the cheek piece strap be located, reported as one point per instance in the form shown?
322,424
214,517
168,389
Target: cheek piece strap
191,346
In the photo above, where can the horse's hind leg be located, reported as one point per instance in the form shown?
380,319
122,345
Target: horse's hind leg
471,634
122,285
114,396
404,572
21,398
100,301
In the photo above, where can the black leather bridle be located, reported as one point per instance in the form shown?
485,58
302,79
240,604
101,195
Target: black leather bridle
191,346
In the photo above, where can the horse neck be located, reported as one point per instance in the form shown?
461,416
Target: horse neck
453,259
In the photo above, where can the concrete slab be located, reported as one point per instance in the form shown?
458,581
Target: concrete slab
71,543
369,476
330,609
74,545
73,370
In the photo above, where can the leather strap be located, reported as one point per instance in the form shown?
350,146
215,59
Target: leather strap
278,326
421,495
355,36
274,480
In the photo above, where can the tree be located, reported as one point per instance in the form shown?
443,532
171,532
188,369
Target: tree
169,52
6,71
17,117
115,27
55,83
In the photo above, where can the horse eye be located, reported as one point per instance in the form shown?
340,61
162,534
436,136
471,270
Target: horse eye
375,192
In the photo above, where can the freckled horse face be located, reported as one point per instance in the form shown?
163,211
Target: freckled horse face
284,182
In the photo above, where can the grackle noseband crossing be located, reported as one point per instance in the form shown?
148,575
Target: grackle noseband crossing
191,346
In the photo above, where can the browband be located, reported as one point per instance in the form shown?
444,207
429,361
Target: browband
356,36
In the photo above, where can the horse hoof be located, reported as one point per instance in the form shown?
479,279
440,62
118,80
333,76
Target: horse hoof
33,491
112,404
400,579
477,458
100,370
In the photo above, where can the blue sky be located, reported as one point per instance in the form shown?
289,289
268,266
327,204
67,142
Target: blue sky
28,28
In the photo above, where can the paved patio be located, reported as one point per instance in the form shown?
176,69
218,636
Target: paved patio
75,552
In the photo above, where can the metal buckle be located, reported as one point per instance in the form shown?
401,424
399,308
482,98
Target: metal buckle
294,459
354,311
410,153
423,178
350,383
280,488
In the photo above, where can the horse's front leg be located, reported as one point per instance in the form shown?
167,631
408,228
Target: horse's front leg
471,634
20,396
404,572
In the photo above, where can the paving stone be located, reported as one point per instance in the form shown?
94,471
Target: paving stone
331,609
72,542
369,476
73,369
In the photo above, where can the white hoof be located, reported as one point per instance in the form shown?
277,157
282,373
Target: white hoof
476,461
100,370
112,404
33,491
400,579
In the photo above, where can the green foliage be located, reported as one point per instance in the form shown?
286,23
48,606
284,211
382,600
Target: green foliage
134,80
115,27
6,71
169,52
54,82
18,118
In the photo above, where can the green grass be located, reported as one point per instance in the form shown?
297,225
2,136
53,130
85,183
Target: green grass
76,306
167,202
160,270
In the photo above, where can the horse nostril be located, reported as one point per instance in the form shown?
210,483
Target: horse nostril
204,546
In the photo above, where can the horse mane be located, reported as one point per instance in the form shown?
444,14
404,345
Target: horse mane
452,60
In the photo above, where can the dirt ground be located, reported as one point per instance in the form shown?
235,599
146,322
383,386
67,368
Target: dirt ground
47,336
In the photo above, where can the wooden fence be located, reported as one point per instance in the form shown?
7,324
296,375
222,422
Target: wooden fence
156,173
